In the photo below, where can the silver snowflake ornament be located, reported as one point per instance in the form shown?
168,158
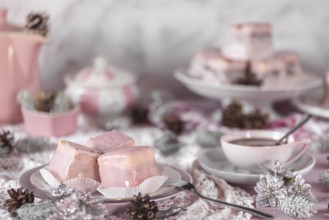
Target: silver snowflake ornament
67,208
94,206
71,204
277,169
61,192
270,191
299,188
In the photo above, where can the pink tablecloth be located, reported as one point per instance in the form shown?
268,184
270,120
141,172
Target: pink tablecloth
182,158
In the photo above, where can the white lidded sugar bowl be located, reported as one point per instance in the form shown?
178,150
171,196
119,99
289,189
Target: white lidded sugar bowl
103,91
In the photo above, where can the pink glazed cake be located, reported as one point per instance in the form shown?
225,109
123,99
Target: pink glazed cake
110,141
72,160
249,41
129,165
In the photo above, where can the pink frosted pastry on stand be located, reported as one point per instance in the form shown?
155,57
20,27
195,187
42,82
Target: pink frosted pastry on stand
249,41
210,65
201,63
110,141
127,166
291,62
72,160
247,59
283,68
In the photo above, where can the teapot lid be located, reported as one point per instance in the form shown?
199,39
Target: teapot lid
36,25
101,75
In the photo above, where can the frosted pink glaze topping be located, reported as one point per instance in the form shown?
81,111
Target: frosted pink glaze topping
110,141
288,56
251,29
127,167
71,160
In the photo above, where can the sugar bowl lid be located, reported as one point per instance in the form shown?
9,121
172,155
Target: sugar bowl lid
100,75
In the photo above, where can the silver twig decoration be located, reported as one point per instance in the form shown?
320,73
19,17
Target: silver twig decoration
281,188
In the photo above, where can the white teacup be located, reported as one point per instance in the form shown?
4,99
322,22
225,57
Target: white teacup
241,150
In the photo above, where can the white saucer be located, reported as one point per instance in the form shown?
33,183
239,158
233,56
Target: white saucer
311,103
215,162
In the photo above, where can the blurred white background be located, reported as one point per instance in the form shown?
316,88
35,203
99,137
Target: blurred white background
154,37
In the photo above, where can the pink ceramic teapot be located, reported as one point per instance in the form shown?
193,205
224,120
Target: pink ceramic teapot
19,50
103,91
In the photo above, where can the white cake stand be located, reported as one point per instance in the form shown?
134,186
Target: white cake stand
311,103
261,97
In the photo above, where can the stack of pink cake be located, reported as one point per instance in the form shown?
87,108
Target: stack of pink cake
249,43
111,158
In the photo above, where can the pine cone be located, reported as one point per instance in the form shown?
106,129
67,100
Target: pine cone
18,198
6,142
249,78
37,23
174,123
139,114
44,101
143,208
256,120
233,116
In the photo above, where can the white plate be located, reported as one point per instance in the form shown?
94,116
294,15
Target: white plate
252,94
115,206
38,182
215,162
311,103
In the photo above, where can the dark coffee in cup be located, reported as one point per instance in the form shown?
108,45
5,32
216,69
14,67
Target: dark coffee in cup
254,142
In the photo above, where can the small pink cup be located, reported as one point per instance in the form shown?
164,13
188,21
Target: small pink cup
50,124
253,156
